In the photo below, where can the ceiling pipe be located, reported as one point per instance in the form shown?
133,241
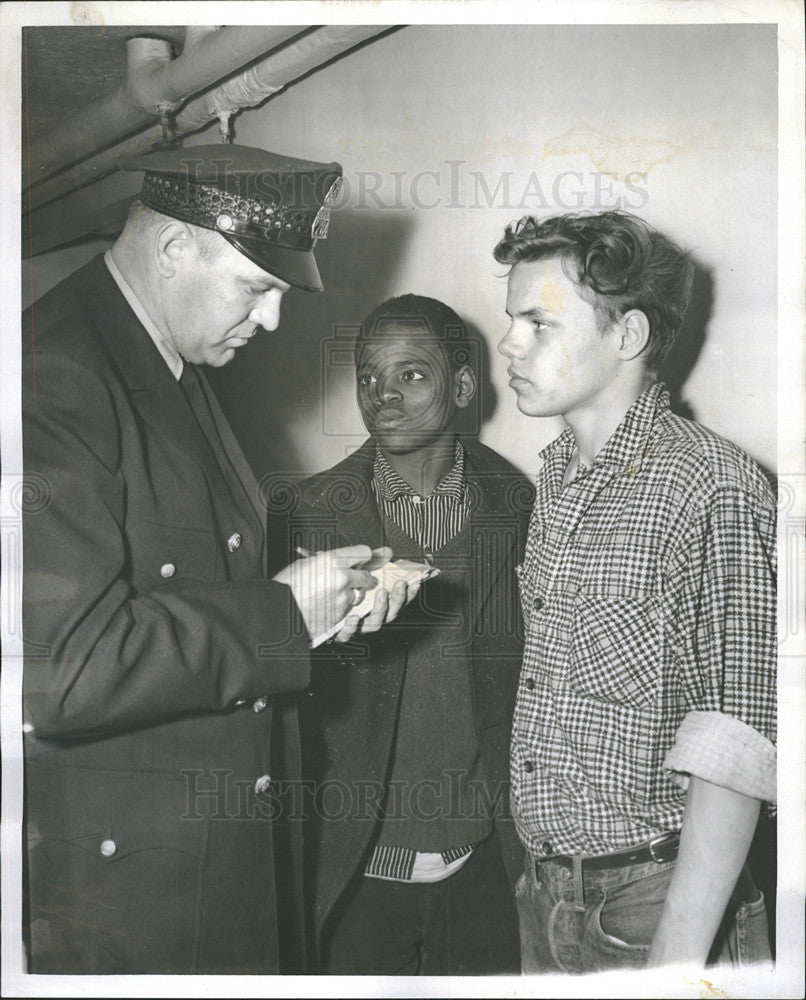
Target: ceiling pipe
253,86
154,83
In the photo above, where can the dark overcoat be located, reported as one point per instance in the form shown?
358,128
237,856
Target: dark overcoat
154,645
351,708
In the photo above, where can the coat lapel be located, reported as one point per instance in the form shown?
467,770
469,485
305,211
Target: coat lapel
237,459
154,392
345,500
493,524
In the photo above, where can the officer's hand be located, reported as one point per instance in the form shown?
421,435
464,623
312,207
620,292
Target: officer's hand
327,585
386,608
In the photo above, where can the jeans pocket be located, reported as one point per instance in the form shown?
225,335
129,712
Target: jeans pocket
611,943
520,885
752,934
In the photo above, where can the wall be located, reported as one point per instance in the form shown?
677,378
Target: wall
446,134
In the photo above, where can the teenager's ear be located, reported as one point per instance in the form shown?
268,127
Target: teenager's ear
465,382
634,328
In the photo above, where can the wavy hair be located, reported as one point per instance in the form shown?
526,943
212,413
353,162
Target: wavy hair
618,263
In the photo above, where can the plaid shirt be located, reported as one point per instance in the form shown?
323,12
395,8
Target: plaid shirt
648,589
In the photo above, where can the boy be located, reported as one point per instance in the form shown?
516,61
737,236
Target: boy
645,718
411,743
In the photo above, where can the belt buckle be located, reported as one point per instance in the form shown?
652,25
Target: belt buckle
664,848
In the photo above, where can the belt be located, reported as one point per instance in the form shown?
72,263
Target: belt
660,850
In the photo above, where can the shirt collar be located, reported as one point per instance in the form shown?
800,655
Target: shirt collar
172,359
623,446
391,486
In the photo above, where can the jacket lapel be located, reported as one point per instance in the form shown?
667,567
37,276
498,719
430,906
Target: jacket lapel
346,496
154,392
237,460
492,524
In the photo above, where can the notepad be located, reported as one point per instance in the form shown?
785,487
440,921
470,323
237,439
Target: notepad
387,576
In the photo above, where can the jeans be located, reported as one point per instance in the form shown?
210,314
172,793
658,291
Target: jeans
607,919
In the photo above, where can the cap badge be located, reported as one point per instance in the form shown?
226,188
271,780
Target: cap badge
224,222
322,220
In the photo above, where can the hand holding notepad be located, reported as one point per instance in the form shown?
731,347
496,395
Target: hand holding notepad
387,576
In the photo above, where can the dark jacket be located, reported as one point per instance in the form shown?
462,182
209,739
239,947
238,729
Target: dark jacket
352,705
153,643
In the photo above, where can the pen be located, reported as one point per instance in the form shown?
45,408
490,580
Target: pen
303,552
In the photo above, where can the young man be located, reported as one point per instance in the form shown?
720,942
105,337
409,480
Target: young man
411,741
642,745
156,643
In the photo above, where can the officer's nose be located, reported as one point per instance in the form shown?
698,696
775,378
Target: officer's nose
266,312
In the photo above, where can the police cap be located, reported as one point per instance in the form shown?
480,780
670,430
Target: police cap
272,208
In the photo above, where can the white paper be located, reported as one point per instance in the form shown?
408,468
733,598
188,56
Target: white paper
387,576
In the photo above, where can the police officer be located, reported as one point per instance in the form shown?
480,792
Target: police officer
155,642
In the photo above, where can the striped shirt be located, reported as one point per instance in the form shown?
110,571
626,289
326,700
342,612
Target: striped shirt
431,522
648,589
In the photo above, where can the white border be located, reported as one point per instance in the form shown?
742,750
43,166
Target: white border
787,980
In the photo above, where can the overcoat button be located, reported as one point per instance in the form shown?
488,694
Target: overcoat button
528,766
547,847
537,603
262,784
260,704
108,848
234,541
530,683
167,571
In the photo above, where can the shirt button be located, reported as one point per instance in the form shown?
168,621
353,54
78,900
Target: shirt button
547,847
234,541
108,848
167,571
528,766
530,683
537,603
260,704
262,784
416,499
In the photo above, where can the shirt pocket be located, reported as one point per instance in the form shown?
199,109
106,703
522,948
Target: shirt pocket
616,648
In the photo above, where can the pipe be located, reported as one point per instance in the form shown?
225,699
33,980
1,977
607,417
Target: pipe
268,77
272,74
154,82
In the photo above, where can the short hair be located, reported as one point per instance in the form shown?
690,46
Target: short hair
618,262
141,219
432,316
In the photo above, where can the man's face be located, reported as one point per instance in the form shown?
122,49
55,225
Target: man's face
560,361
406,392
217,301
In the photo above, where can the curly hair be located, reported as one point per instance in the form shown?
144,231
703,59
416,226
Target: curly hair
433,317
618,263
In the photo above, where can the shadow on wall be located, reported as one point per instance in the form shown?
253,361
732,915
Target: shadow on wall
690,340
687,348
275,380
